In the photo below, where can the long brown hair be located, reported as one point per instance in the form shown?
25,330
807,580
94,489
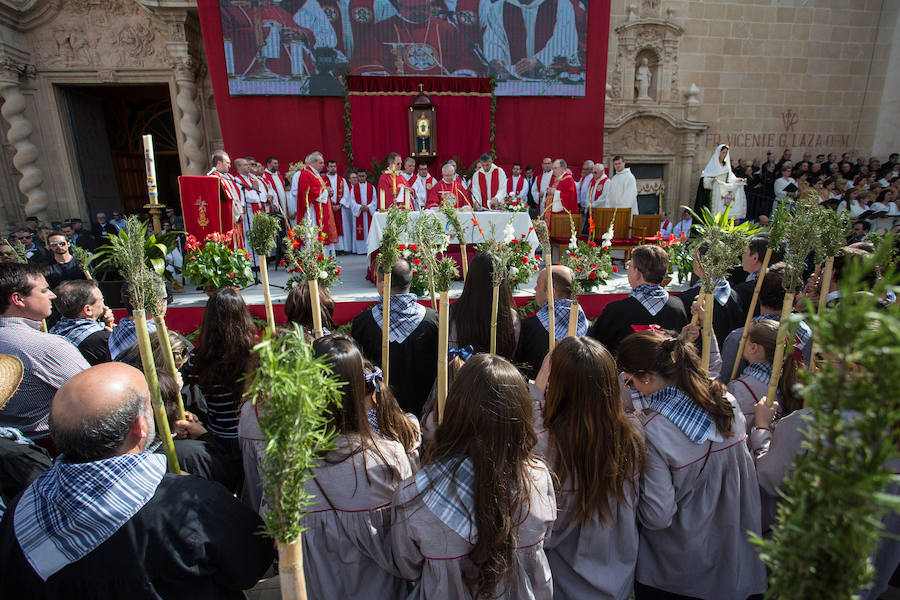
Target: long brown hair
488,418
227,334
675,360
470,315
592,444
298,307
393,423
765,333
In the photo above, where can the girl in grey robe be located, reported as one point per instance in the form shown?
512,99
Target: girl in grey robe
699,494
597,452
473,521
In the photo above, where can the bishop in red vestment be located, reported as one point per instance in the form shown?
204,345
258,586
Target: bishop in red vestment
449,188
564,183
312,193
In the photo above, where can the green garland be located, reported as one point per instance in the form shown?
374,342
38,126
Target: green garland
493,112
348,125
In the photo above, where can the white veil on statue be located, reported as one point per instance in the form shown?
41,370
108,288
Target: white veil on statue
726,189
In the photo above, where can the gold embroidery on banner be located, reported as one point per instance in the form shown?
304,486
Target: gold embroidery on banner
202,218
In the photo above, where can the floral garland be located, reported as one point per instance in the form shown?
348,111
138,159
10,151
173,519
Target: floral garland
305,258
348,124
512,203
211,263
493,112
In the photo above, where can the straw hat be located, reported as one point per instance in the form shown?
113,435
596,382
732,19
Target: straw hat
11,371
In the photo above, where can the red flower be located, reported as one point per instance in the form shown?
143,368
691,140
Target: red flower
291,232
319,257
672,237
401,247
231,276
337,271
525,260
593,266
615,269
683,237
321,237
593,275
523,235
295,244
579,268
592,244
417,261
281,263
413,247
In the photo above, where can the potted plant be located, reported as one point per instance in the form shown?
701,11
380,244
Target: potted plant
211,263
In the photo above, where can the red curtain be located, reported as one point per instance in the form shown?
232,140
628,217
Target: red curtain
527,128
381,122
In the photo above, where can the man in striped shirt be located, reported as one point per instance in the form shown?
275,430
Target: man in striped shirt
49,360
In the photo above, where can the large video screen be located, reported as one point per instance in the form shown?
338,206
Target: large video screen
303,47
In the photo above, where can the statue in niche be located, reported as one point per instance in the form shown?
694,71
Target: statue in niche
642,81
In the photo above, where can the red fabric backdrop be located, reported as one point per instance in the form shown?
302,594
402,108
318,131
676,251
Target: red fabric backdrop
381,122
527,128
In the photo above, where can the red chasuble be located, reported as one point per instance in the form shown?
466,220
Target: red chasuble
390,184
442,189
567,194
309,187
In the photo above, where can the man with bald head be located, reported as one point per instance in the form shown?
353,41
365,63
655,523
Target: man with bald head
449,188
534,341
107,521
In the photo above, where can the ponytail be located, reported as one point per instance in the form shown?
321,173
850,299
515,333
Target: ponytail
765,333
676,360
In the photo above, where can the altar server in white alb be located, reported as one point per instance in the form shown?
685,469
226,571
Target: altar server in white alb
622,187
488,184
340,201
725,188
363,204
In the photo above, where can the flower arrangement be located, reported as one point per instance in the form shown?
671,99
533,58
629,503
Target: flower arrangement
512,203
518,257
418,261
681,255
211,263
305,258
591,263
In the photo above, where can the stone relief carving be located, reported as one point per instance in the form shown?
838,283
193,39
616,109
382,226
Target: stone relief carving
636,39
73,46
644,135
137,41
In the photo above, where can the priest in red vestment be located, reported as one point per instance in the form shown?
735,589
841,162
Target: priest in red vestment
313,202
448,188
392,186
233,194
561,195
488,184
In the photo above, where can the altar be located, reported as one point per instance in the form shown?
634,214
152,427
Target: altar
477,227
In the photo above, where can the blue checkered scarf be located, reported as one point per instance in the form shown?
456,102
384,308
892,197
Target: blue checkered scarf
679,408
406,314
760,371
561,310
124,335
652,297
449,494
372,417
722,291
74,507
802,336
76,330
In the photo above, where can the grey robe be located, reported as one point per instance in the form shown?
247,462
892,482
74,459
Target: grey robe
436,557
748,391
590,560
698,501
775,451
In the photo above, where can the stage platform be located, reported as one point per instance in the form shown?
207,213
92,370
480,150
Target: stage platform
355,293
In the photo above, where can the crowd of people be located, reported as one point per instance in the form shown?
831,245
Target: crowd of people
614,465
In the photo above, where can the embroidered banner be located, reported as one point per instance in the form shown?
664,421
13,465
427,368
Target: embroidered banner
205,209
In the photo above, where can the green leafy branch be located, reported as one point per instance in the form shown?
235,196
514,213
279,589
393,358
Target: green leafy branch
264,233
724,242
396,223
294,393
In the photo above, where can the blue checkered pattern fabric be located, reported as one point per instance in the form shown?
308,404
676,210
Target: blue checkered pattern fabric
679,408
760,371
561,309
802,336
446,489
406,315
652,297
74,507
124,335
76,330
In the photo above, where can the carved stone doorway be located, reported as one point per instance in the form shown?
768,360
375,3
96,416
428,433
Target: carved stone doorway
105,125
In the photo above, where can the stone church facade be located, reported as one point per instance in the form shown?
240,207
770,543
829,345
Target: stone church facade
814,76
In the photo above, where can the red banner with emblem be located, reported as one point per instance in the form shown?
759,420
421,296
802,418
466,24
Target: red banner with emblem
205,207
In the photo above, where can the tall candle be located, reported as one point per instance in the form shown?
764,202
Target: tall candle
151,169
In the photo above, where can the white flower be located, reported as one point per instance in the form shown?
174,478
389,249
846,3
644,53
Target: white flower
573,243
605,244
323,275
405,253
509,233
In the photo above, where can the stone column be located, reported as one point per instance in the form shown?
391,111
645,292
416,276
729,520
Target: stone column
187,68
189,123
687,187
19,136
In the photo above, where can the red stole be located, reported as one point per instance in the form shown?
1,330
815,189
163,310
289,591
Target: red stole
519,186
598,186
481,180
363,218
